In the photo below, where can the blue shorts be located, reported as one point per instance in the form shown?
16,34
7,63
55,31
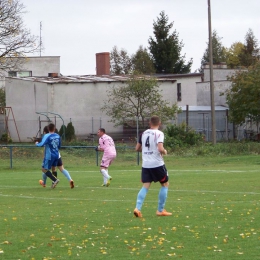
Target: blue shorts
155,174
47,164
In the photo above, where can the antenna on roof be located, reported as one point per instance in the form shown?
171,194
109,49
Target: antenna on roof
40,39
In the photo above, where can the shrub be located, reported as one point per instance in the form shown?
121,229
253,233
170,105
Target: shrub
62,131
6,138
70,132
181,136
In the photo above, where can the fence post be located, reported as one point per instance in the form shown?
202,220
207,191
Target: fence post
187,118
137,138
226,123
97,157
11,157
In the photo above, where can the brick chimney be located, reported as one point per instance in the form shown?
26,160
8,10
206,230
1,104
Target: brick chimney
53,75
103,63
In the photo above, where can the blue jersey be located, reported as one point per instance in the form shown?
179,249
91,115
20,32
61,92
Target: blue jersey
52,145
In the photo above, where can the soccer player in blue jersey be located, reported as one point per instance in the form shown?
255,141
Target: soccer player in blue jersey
52,143
153,169
54,172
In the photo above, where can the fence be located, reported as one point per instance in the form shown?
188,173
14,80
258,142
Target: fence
86,129
27,156
200,121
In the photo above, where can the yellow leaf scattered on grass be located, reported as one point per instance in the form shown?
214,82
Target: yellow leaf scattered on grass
240,253
30,247
6,242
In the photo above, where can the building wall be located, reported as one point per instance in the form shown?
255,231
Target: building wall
218,74
79,103
203,93
25,98
41,66
188,87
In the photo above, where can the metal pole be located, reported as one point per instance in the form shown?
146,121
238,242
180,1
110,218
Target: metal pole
137,137
227,124
11,157
187,117
213,123
97,158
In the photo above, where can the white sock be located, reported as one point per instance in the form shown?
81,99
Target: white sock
105,175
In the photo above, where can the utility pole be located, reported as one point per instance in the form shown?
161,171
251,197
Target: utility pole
212,100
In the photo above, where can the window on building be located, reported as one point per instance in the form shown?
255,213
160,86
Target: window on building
178,91
20,74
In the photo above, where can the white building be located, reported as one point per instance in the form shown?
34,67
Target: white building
73,98
34,66
78,99
29,66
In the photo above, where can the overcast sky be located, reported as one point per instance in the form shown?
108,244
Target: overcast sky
76,30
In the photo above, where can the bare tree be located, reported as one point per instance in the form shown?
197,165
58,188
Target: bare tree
15,40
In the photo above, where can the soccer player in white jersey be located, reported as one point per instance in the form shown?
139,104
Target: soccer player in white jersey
153,169
106,145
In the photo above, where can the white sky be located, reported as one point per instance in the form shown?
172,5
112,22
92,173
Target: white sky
76,30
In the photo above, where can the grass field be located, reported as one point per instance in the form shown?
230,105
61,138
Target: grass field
214,201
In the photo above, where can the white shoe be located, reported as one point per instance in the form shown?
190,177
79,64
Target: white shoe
54,184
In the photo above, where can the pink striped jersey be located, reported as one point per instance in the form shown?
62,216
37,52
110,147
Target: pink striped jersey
107,143
151,157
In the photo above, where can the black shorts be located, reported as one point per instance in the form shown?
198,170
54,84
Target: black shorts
59,162
155,174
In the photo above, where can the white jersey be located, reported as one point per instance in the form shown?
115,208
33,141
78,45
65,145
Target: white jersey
151,157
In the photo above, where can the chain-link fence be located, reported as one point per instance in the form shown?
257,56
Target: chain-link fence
86,129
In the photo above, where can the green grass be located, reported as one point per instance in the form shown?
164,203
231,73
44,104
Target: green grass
214,200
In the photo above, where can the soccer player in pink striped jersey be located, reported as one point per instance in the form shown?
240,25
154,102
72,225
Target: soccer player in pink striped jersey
106,145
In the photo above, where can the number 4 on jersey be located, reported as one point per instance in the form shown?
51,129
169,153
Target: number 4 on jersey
147,142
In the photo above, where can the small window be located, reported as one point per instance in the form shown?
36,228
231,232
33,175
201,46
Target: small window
24,73
20,74
178,91
12,73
